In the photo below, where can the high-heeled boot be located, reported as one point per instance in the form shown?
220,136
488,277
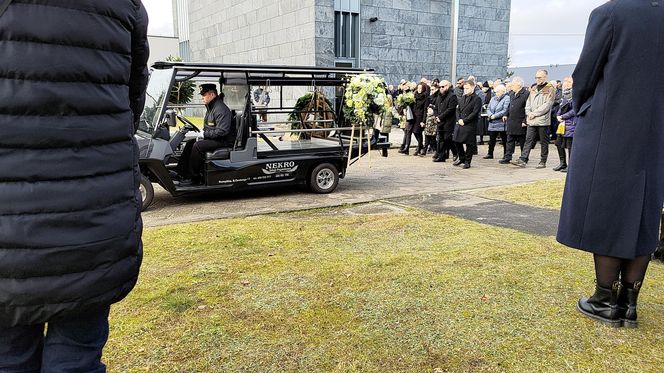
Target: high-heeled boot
627,304
603,305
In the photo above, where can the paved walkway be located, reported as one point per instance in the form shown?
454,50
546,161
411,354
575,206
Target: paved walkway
395,177
533,220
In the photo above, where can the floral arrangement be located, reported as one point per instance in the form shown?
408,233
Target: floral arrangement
405,99
365,96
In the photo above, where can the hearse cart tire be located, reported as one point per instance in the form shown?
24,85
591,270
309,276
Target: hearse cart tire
147,192
324,178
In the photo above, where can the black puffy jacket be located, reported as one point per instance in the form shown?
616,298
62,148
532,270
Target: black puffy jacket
72,79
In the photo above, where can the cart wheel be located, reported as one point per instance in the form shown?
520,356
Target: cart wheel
324,178
147,192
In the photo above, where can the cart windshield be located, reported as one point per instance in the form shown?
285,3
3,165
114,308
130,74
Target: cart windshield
160,80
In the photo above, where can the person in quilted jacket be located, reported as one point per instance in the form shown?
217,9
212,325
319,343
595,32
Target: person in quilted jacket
72,88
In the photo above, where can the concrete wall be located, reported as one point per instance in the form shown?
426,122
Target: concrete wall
253,31
483,38
412,38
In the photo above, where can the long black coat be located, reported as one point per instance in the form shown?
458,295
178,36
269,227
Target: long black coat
72,79
469,110
446,111
615,185
517,112
420,110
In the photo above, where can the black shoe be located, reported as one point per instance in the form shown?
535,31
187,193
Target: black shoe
455,158
488,156
627,304
185,182
437,160
564,171
466,166
402,151
560,167
541,165
458,162
505,161
602,306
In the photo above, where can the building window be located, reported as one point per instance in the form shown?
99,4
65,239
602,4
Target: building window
184,50
346,34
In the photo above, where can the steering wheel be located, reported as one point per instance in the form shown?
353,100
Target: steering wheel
187,123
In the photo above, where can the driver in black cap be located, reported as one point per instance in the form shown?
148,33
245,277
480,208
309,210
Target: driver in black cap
218,132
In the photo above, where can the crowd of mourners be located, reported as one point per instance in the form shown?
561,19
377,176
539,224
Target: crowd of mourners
451,120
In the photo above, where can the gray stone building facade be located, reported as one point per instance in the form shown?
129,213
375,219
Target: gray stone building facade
397,38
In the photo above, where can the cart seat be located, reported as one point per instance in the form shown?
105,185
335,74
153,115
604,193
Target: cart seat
219,154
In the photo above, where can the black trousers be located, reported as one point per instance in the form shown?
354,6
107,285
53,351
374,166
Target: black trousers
429,143
493,136
193,157
512,140
466,155
540,133
445,145
563,143
409,137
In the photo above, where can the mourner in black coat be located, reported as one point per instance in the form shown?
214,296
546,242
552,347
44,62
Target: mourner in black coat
445,110
615,185
415,127
465,130
516,119
72,86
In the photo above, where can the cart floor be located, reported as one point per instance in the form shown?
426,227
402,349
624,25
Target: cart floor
309,144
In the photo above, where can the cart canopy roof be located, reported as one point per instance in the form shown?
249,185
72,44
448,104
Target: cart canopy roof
263,74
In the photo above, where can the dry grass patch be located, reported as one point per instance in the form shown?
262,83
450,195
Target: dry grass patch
544,193
395,292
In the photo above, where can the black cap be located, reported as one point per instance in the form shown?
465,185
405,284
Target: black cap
205,88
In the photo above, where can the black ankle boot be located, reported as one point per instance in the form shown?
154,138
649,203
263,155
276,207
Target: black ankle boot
561,166
602,306
627,304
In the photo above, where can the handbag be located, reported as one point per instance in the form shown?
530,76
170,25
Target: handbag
561,128
409,113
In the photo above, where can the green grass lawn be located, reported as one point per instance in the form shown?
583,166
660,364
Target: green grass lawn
410,291
544,193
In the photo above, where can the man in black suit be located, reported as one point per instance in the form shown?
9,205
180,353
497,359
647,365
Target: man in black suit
446,116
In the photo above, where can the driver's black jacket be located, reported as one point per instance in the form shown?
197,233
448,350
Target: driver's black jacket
219,123
72,80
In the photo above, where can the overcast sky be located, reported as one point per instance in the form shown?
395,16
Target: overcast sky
544,32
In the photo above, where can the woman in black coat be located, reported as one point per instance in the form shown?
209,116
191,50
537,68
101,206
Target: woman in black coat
465,131
615,185
516,119
419,116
